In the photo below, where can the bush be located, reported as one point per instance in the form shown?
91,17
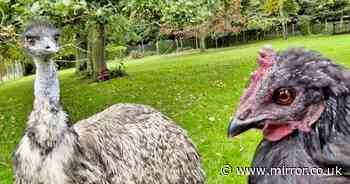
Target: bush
184,49
135,54
118,70
304,24
318,28
150,53
68,61
166,46
114,51
65,65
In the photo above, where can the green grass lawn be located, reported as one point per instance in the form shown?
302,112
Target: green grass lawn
199,91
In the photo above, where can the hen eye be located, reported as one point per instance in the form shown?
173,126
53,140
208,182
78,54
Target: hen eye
284,96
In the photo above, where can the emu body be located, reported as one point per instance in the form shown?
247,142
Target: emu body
126,143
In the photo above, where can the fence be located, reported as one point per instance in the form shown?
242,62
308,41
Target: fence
11,71
341,27
168,46
17,69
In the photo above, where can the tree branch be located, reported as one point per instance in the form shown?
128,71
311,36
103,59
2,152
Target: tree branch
69,61
74,46
2,161
2,17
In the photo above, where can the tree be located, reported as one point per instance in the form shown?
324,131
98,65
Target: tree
187,19
226,19
83,17
176,16
25,11
9,38
283,9
317,11
144,17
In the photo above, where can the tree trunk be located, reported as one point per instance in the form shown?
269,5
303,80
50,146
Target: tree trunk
177,44
89,64
202,43
2,69
284,23
81,55
341,23
100,71
8,73
196,39
181,44
157,46
142,47
222,42
264,34
309,28
284,30
244,37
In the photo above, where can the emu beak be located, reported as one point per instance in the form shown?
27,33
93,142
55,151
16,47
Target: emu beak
51,46
238,126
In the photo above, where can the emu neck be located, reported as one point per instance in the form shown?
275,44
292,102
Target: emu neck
47,122
46,82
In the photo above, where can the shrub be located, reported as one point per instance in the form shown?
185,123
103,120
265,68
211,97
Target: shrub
304,24
114,51
68,61
166,46
150,53
135,54
118,70
184,49
317,28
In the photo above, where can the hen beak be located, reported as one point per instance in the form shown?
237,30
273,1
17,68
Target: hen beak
238,126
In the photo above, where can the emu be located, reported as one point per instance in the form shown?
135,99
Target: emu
126,143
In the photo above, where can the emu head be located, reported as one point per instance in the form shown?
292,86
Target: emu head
40,40
287,93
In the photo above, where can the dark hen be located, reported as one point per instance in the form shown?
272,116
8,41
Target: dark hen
300,99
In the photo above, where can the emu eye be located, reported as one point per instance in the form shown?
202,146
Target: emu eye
284,96
56,37
31,39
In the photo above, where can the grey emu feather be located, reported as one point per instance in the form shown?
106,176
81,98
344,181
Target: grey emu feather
126,143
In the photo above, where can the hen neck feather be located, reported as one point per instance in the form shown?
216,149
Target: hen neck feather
335,119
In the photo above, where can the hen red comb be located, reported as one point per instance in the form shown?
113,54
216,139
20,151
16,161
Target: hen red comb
267,56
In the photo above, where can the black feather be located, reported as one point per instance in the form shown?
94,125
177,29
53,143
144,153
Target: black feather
327,146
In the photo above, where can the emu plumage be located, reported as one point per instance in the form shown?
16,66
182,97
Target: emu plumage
311,130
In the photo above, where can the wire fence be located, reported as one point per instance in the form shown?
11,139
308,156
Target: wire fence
11,71
166,46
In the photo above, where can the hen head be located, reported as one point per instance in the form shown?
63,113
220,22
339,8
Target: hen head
287,93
